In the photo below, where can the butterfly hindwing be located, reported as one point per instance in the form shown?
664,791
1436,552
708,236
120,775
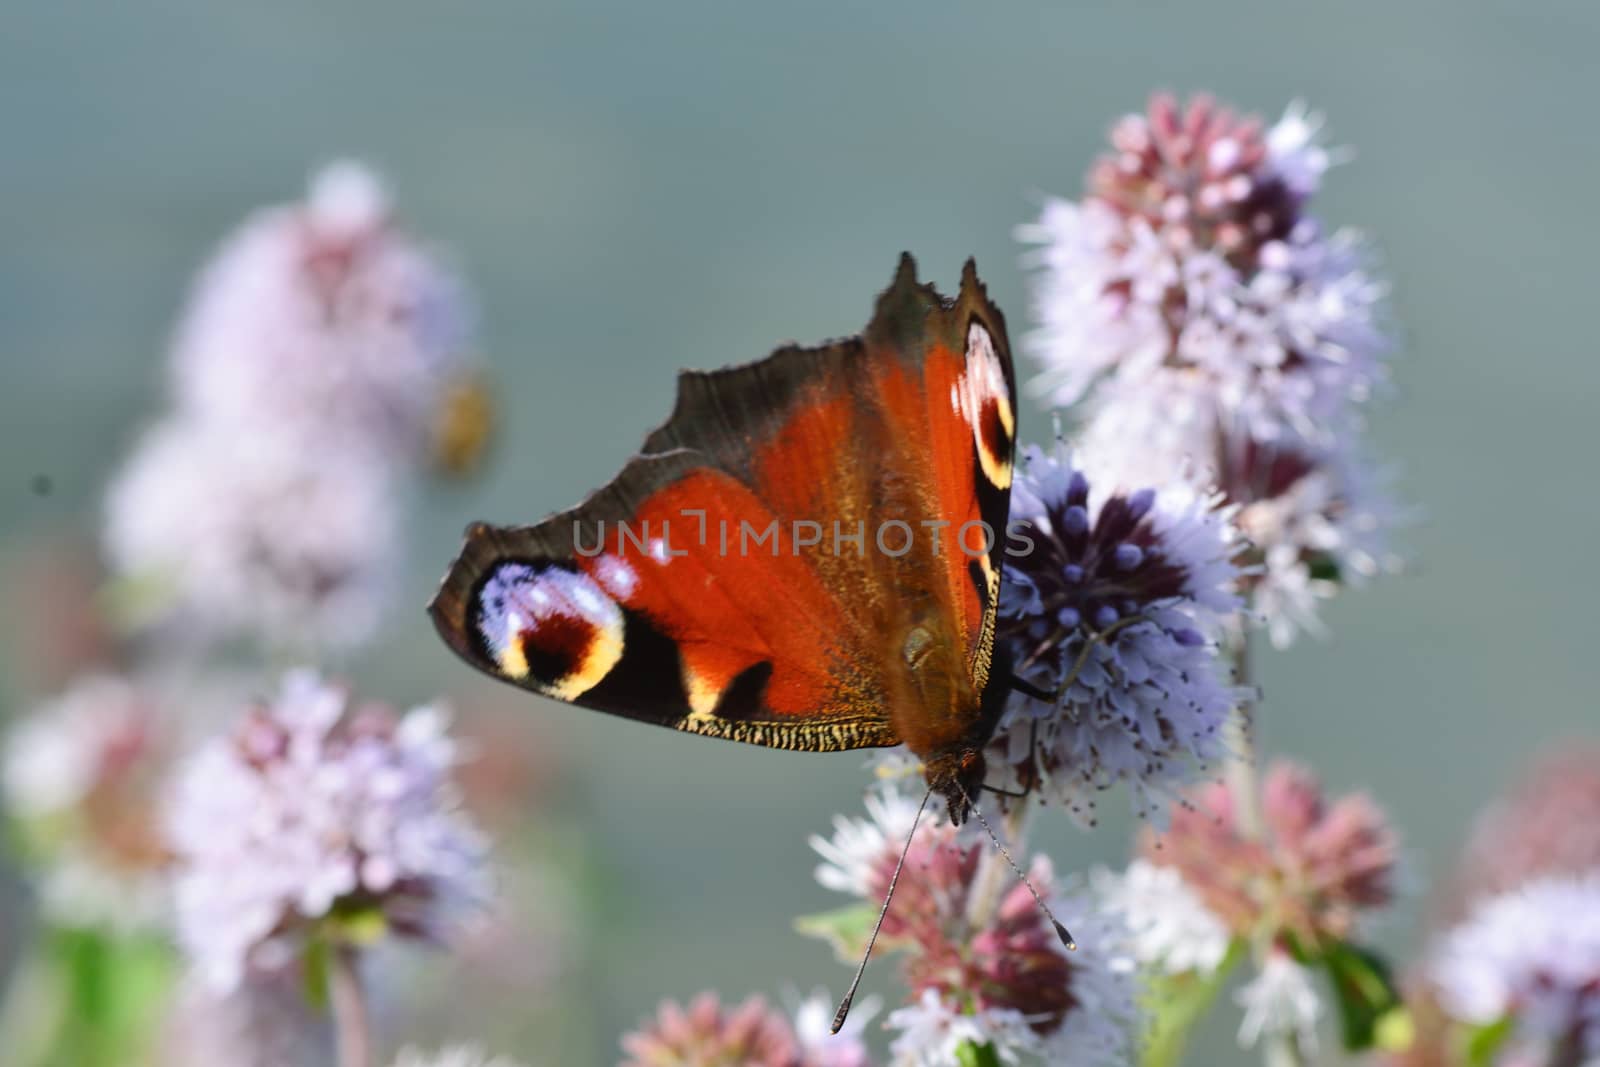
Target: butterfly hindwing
730,580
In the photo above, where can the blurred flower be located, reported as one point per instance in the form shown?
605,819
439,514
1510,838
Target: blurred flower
1118,600
709,1034
80,778
230,535
1532,956
1318,868
1191,263
1169,927
819,1045
308,813
459,1056
989,974
854,854
320,367
1548,824
268,1022
1210,329
932,1032
1280,1001
325,321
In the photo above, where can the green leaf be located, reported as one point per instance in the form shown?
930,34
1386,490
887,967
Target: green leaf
1484,1042
971,1055
846,929
1325,569
1175,1002
1371,1011
111,988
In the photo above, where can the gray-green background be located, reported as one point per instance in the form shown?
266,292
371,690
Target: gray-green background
635,188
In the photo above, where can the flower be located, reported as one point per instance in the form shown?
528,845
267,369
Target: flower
1192,264
325,321
1531,955
308,814
1316,871
1279,1001
932,1031
80,777
1115,604
457,1056
708,1034
1548,824
1206,327
819,1045
855,852
321,363
982,963
1170,928
297,548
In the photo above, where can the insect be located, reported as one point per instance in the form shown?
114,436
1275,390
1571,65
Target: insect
806,555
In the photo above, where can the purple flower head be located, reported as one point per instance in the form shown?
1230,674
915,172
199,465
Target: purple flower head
1115,609
309,814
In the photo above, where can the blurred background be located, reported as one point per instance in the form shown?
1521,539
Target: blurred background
630,189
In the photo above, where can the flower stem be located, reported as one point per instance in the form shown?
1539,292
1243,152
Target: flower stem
994,873
1285,1051
1239,768
352,1020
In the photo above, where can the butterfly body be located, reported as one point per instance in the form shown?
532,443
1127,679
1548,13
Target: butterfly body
806,555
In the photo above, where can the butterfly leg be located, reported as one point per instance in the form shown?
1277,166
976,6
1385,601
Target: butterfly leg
1027,688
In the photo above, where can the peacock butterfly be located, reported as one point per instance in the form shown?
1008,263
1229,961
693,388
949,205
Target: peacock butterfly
806,555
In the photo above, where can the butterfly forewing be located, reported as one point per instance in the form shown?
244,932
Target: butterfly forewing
786,554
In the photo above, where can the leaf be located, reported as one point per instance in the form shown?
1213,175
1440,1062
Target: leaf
111,989
1175,1002
846,929
1371,1011
969,1054
1484,1042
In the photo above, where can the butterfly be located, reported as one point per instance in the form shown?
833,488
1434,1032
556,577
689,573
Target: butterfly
806,555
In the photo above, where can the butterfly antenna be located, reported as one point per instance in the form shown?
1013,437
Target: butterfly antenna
855,983
1061,931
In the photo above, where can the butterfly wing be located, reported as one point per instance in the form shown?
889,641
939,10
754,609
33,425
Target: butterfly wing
729,581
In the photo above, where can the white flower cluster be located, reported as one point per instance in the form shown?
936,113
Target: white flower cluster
78,776
1530,956
813,1031
1117,608
1280,1001
1097,1031
310,373
308,810
1205,326
1170,929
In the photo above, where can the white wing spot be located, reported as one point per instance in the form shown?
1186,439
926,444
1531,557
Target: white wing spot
518,600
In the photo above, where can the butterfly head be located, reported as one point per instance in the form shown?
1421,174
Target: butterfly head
956,776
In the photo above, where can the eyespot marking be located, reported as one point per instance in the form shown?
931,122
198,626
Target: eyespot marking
984,401
549,625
